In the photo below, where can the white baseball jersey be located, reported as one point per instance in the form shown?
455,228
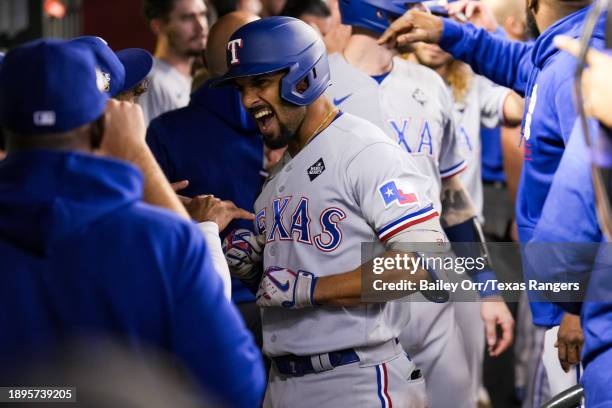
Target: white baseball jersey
411,105
349,185
168,90
482,105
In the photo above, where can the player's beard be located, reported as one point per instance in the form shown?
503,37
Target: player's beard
183,47
282,140
531,27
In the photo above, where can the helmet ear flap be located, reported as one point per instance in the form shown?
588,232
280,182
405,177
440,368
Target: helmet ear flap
303,85
317,79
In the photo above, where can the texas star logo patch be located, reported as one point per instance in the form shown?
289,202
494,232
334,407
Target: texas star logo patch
392,192
316,169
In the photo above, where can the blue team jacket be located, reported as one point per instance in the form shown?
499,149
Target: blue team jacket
215,145
83,256
572,199
545,76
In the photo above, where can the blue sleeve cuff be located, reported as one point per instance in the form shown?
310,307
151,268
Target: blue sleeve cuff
452,32
485,278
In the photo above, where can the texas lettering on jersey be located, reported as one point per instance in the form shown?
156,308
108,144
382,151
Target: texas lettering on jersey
297,225
412,135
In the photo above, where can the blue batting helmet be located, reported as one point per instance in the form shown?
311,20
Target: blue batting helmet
376,15
280,43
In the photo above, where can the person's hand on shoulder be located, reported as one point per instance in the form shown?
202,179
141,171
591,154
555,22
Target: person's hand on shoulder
413,26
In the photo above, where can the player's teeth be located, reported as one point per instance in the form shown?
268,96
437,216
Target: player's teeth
262,113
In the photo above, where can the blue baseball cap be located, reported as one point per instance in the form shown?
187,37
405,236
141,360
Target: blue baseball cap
49,86
137,63
110,65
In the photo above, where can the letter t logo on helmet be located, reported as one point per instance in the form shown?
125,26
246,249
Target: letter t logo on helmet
232,47
298,51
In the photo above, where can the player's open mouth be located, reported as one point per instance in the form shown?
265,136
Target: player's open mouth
263,116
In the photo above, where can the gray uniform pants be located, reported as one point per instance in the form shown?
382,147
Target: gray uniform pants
433,339
472,331
360,384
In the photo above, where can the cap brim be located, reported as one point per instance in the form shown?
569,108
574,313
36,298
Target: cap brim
137,63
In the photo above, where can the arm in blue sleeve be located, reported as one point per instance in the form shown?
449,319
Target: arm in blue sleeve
153,139
566,239
505,62
466,243
209,334
565,108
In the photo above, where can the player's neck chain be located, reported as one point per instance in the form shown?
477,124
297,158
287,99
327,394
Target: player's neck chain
322,126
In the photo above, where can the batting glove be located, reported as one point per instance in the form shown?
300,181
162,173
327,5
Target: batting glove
281,287
243,251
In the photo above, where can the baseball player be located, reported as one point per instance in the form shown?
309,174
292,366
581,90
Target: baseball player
342,182
545,76
477,102
412,105
125,72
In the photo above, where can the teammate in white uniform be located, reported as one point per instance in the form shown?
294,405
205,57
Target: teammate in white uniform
342,182
482,106
409,103
477,101
413,106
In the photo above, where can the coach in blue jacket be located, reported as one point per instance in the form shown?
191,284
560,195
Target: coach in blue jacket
545,76
82,255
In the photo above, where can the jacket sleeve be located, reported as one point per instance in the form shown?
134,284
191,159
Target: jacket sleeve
503,61
567,251
209,335
565,109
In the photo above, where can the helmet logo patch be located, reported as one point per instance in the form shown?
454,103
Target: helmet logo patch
232,47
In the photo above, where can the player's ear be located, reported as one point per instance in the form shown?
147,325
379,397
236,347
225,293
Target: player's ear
514,26
156,25
532,5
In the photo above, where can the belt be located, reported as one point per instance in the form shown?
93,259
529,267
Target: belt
298,366
495,184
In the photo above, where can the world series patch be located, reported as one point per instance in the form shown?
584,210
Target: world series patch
316,169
